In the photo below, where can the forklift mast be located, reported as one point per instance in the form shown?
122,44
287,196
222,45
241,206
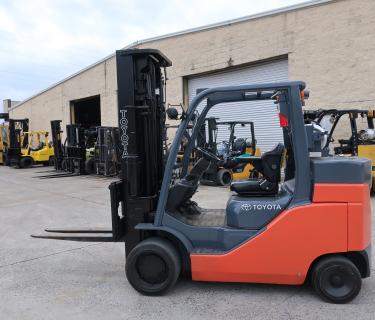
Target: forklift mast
106,150
212,131
75,148
16,128
57,143
141,114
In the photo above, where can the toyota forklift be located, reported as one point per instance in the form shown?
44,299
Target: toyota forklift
316,225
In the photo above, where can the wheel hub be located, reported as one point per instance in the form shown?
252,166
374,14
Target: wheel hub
337,281
152,268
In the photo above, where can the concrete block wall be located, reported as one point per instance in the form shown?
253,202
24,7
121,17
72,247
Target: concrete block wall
54,104
330,46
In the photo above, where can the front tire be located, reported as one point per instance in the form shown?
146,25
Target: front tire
336,279
224,177
153,266
26,162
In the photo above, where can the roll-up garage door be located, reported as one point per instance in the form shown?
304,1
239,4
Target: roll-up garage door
264,114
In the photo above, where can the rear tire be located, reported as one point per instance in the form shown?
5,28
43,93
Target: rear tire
153,266
26,162
336,279
90,166
5,160
224,177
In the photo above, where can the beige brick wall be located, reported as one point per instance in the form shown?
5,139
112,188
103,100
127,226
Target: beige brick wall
54,104
329,46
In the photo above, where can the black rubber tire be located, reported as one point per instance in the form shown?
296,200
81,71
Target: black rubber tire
254,174
90,166
64,165
153,266
51,161
5,160
336,279
224,177
26,162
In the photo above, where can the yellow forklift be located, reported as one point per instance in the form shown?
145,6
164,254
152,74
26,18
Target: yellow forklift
22,148
38,150
16,140
359,142
4,136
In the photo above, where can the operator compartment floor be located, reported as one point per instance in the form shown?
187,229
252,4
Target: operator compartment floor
206,218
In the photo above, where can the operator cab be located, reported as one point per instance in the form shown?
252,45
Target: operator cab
252,203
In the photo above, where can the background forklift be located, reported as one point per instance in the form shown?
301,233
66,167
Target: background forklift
105,158
359,142
17,140
3,136
70,155
216,174
316,225
85,150
38,150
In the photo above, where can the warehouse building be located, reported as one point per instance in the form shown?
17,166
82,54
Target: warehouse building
329,44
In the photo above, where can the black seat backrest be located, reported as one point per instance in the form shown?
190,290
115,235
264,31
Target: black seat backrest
239,145
271,163
197,171
183,190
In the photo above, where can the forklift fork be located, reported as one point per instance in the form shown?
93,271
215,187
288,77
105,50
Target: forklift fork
58,175
86,235
96,234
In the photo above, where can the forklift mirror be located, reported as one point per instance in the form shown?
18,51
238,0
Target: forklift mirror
172,113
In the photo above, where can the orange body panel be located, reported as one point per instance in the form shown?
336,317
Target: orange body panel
329,192
283,253
359,210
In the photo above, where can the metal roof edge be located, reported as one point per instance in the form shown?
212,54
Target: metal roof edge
268,13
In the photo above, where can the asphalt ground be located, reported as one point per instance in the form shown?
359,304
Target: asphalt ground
48,279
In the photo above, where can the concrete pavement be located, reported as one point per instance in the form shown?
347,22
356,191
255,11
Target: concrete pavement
47,279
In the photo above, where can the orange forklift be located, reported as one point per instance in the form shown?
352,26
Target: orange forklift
315,225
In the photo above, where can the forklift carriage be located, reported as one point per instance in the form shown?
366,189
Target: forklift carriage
315,225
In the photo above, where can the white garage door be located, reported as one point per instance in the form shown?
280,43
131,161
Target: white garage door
264,114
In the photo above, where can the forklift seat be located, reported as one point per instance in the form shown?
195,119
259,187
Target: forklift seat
40,146
269,165
239,146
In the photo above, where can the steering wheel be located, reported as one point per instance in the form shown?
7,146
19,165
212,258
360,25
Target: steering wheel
208,155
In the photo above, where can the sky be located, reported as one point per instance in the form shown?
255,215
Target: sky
44,41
